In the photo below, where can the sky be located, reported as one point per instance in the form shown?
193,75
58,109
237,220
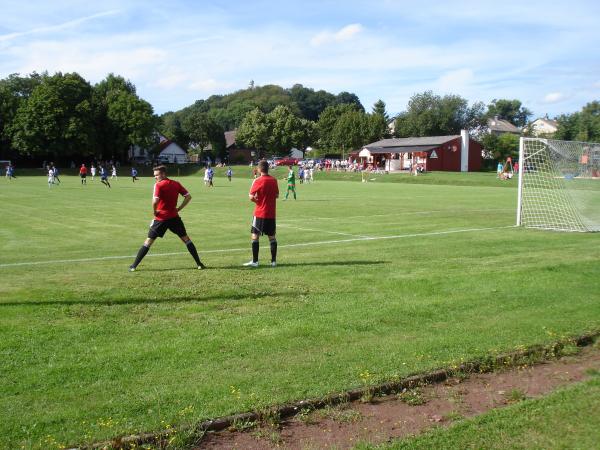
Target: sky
546,54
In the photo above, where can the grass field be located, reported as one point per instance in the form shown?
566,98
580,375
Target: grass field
375,281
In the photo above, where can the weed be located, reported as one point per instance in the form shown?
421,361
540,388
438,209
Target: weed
341,413
413,397
515,396
306,416
242,425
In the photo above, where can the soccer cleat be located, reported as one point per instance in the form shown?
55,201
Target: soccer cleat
273,263
201,266
251,264
131,269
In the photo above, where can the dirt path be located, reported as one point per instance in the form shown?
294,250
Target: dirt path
409,413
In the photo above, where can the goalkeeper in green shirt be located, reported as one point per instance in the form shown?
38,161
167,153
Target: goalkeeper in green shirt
291,183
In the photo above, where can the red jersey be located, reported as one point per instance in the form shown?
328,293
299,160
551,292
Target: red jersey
83,170
167,192
267,192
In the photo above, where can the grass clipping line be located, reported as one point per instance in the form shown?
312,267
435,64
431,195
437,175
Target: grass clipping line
532,354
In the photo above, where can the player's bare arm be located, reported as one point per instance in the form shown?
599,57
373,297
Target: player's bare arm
186,200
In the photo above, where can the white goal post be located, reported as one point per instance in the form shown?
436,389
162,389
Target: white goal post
559,185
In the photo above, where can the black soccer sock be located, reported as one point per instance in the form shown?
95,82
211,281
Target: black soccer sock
192,249
141,253
255,248
273,249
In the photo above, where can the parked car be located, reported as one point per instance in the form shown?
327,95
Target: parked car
286,161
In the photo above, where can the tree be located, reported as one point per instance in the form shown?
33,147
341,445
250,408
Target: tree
580,126
350,99
14,91
502,146
379,108
122,118
431,115
309,102
326,124
253,131
510,110
170,127
56,119
202,130
349,131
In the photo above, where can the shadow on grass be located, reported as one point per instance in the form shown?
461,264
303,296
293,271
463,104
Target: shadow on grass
267,265
148,301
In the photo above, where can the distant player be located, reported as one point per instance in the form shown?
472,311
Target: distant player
229,174
264,192
291,183
10,172
166,216
93,171
211,174
104,176
113,173
301,174
83,174
134,173
56,178
50,176
206,176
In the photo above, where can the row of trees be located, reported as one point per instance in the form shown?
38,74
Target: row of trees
63,116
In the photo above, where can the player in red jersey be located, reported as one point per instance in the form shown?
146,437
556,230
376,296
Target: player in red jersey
166,215
264,192
83,174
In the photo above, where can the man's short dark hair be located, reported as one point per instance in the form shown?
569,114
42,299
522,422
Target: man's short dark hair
161,169
263,166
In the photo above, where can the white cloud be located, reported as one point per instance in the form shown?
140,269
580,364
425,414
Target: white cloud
344,34
54,28
455,80
554,97
209,85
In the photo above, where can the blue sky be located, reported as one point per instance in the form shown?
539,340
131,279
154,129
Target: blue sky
546,54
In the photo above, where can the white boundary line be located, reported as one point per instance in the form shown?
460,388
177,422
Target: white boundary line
322,231
228,250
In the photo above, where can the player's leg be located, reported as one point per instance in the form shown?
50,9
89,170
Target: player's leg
255,232
143,251
294,191
273,245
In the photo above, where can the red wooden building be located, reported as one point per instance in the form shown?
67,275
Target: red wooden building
454,153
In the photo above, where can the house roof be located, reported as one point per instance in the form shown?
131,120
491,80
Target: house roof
501,125
404,149
411,142
230,138
552,123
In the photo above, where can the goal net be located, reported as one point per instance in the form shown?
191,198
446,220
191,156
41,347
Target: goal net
559,185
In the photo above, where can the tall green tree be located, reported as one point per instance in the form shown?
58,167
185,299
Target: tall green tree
56,119
202,130
327,122
583,125
122,118
501,146
14,91
379,108
432,115
510,110
254,131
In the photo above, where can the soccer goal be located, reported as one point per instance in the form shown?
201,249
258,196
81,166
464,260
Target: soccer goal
559,185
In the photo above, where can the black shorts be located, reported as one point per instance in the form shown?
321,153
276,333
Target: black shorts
263,226
158,228
82,175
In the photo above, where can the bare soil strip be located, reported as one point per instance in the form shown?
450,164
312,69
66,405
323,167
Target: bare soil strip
413,411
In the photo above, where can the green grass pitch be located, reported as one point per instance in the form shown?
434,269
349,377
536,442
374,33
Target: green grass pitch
387,277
